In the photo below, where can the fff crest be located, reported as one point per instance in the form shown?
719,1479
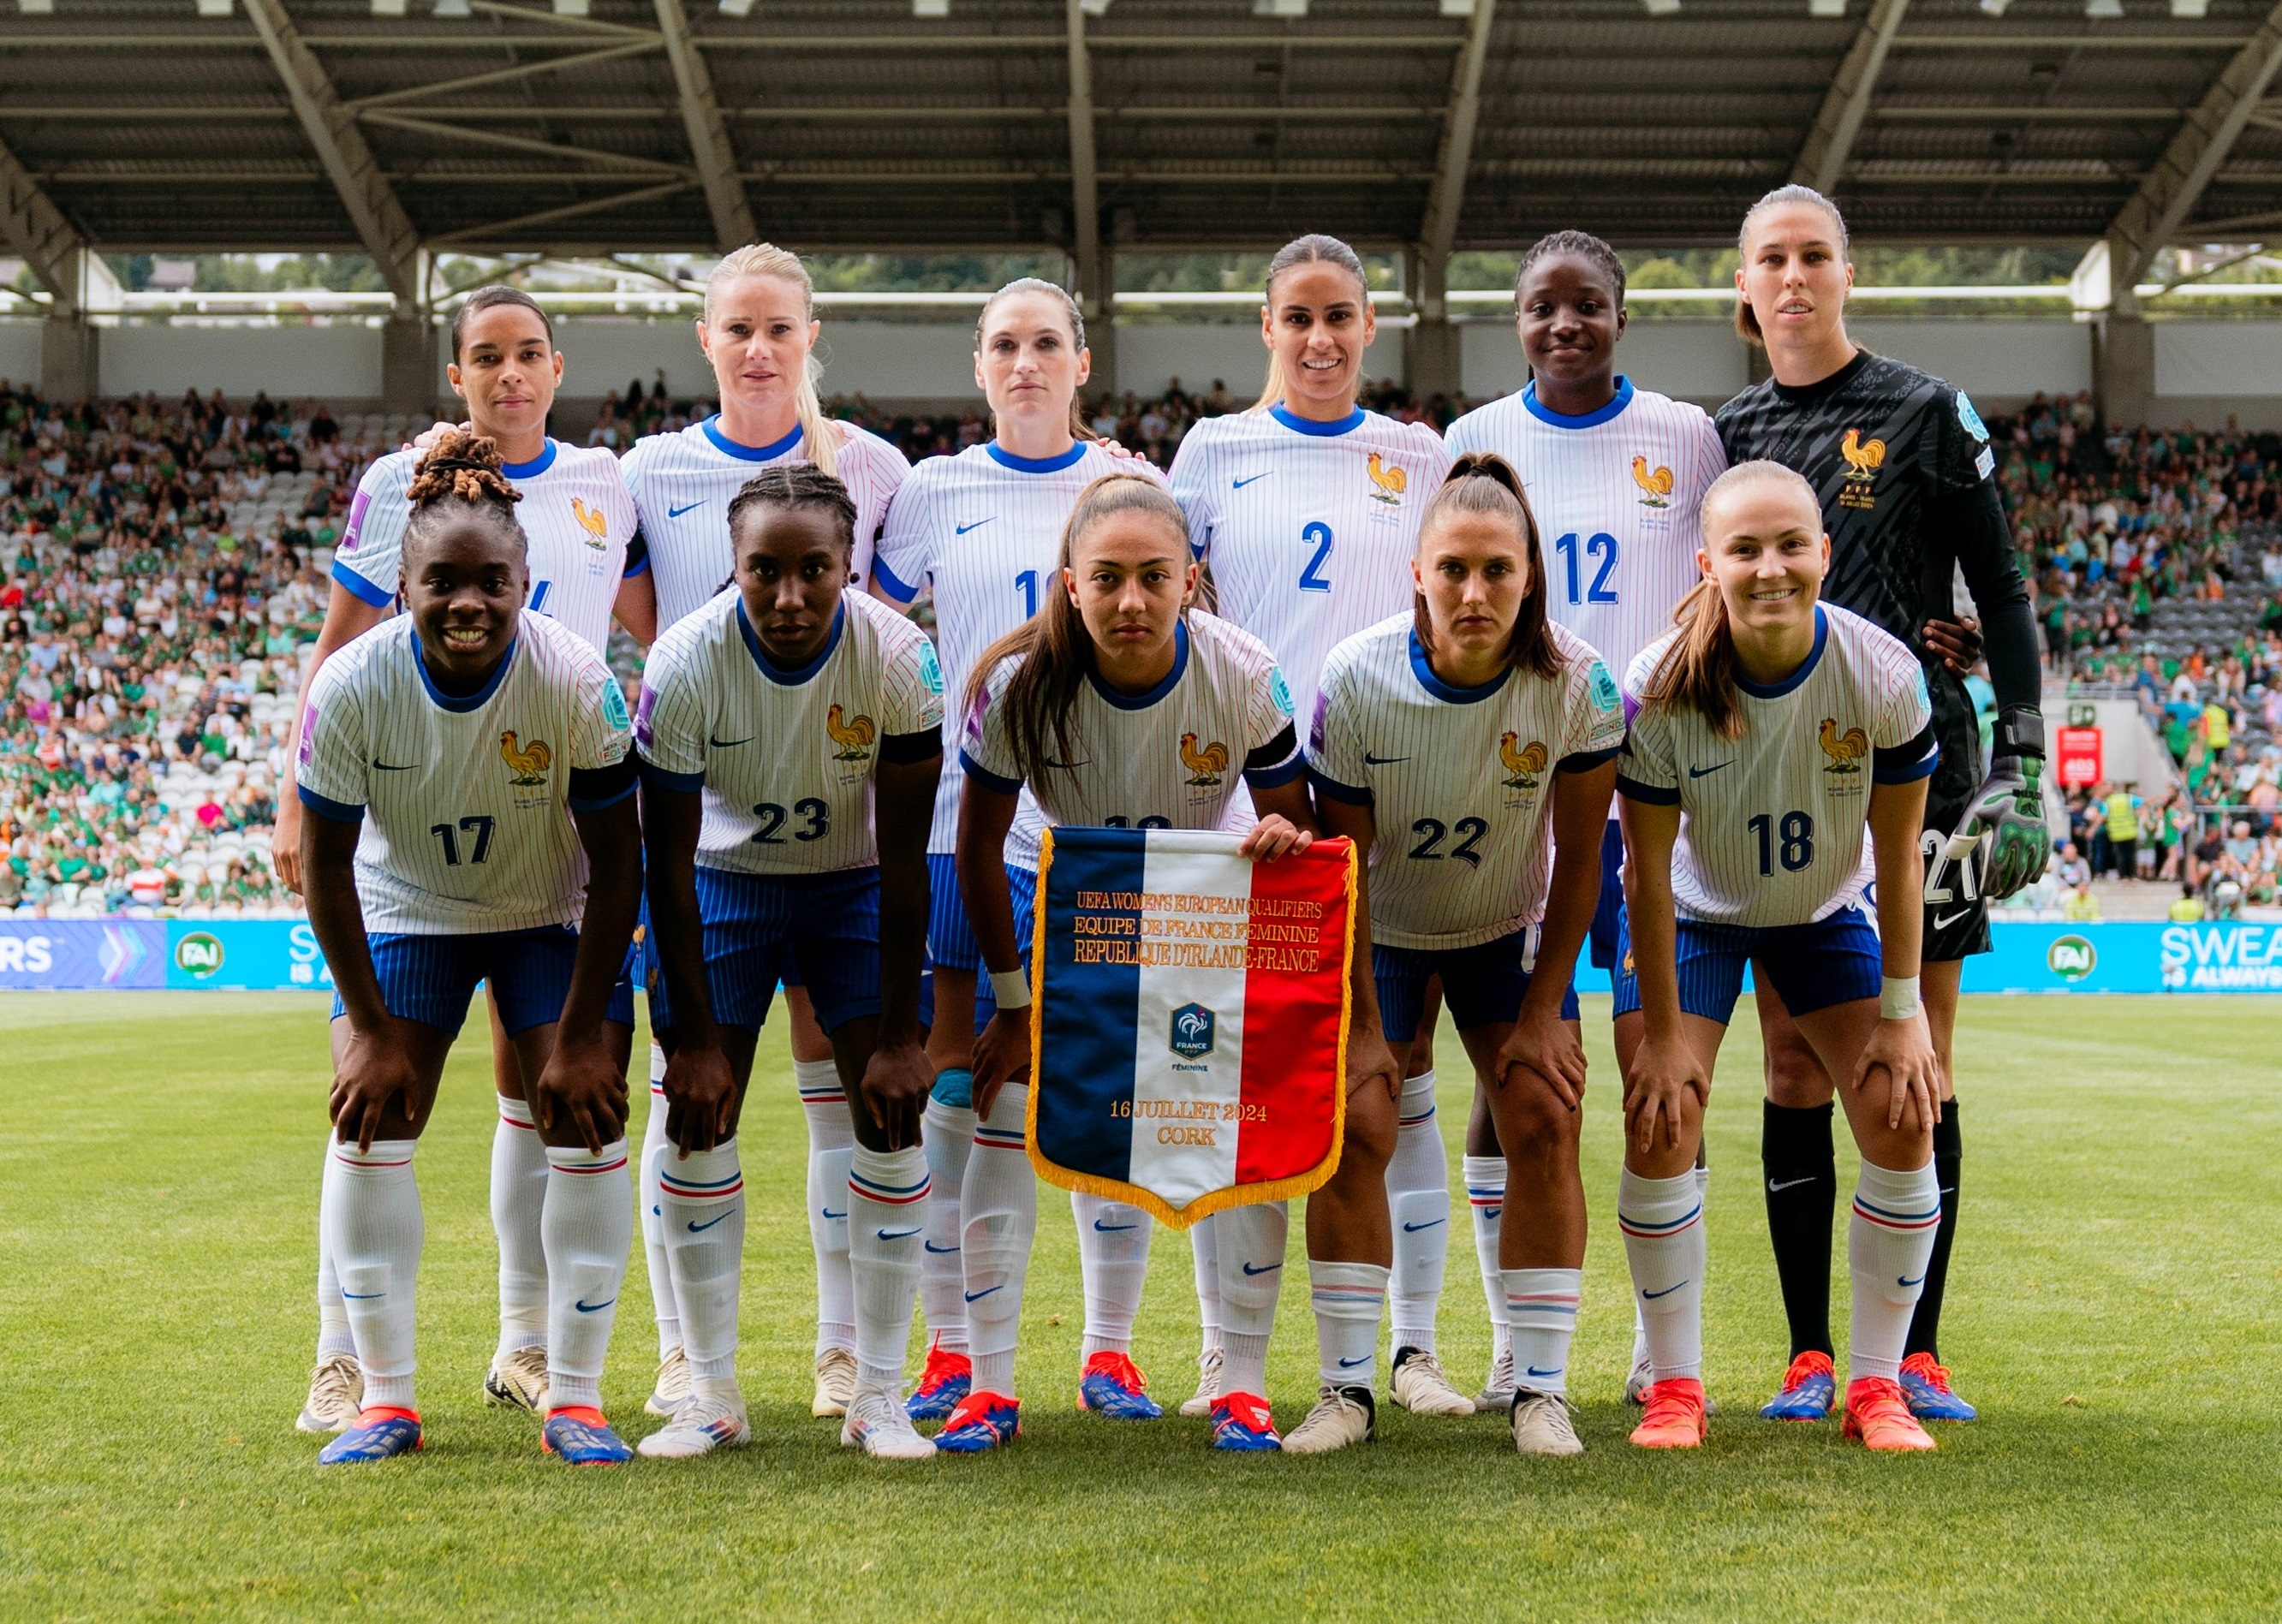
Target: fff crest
1192,1032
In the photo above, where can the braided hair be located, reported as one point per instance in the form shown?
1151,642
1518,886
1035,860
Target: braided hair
462,471
1585,246
797,485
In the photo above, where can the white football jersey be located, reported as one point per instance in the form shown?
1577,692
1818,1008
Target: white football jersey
465,801
682,483
1172,758
985,527
786,758
1309,527
1459,780
1618,495
1773,825
575,513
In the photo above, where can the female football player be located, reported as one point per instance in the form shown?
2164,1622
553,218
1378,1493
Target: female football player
1905,474
1088,704
1305,508
1455,744
467,768
790,733
586,566
759,331
1614,475
1776,769
983,529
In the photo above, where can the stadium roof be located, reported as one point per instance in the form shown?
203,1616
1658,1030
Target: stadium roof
1175,125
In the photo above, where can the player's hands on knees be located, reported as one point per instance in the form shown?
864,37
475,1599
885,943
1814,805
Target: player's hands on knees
1548,1046
1002,1055
582,1085
701,1097
1370,1060
1272,836
375,1067
1904,1050
897,1080
1662,1073
286,845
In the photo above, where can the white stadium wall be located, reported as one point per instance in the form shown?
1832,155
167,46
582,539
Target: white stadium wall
2205,371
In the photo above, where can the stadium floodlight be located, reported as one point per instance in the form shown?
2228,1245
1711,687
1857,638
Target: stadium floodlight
1994,8
2103,8
388,8
930,8
571,8
1660,8
1457,8
1826,8
2196,9
214,8
736,8
36,8
453,8
1279,8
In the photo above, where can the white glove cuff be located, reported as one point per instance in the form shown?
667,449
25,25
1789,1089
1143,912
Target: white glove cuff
1898,997
1012,989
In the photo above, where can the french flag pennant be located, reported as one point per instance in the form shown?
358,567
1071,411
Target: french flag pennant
1189,1019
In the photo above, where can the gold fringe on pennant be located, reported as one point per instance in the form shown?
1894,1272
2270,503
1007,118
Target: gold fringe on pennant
1213,1201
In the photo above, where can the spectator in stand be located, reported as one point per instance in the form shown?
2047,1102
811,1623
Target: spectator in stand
2122,831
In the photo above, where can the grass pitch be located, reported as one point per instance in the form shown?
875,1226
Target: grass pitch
2112,1310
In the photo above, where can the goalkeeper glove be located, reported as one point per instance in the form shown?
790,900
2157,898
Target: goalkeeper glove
2010,808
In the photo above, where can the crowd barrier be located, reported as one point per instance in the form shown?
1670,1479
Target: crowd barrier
282,954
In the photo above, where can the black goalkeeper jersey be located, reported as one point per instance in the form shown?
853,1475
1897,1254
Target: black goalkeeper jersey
1902,465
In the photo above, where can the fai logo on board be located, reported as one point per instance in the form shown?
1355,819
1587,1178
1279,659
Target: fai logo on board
1192,1032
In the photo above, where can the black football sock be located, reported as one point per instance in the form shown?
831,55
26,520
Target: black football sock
1802,1191
1948,1152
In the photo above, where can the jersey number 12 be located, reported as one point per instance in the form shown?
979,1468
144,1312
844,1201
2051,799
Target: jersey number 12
1600,546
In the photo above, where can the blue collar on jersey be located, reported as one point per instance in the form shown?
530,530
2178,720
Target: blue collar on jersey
784,675
463,703
748,453
1449,693
1302,425
1142,701
1775,691
1034,465
533,469
1591,419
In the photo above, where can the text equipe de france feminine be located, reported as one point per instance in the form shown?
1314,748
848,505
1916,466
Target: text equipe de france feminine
1196,931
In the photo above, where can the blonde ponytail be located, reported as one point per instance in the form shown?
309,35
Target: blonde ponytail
1698,671
820,435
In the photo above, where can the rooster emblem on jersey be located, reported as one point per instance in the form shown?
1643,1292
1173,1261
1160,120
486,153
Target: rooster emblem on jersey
528,762
853,734
1864,458
1845,750
1656,482
1525,762
1391,480
1209,765
595,522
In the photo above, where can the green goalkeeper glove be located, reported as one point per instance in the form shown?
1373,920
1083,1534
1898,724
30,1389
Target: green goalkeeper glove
2010,809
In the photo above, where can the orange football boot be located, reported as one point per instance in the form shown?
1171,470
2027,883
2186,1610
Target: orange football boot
1876,1414
1673,1418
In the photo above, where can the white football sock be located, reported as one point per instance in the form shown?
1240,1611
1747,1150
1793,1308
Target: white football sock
333,1335
1350,1298
1663,1224
1640,1320
998,1222
830,1145
1204,1258
1888,1243
1541,1316
1418,1198
374,1229
1250,1241
702,1202
947,1132
886,1215
1113,1258
653,1218
587,1231
1485,1199
518,1194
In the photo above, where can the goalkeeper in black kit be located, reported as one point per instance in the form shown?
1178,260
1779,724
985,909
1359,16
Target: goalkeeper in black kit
1905,472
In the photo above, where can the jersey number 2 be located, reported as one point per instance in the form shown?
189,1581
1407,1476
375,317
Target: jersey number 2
1312,579
1601,545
